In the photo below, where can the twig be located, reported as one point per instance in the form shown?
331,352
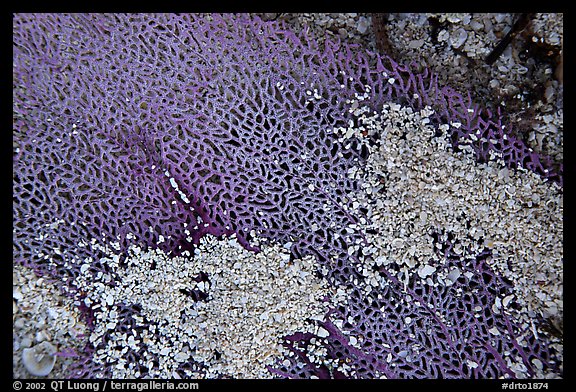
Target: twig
520,24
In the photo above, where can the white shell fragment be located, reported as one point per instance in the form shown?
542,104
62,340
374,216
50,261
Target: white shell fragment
363,25
322,332
459,37
453,275
507,300
494,331
426,270
40,359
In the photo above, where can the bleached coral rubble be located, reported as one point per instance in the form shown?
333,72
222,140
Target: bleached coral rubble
414,183
253,300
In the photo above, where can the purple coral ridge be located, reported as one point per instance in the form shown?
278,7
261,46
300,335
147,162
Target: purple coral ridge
110,111
446,339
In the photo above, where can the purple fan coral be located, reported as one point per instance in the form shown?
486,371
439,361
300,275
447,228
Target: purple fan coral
137,127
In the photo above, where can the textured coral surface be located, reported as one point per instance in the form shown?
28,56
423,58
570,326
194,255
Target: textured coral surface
160,129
